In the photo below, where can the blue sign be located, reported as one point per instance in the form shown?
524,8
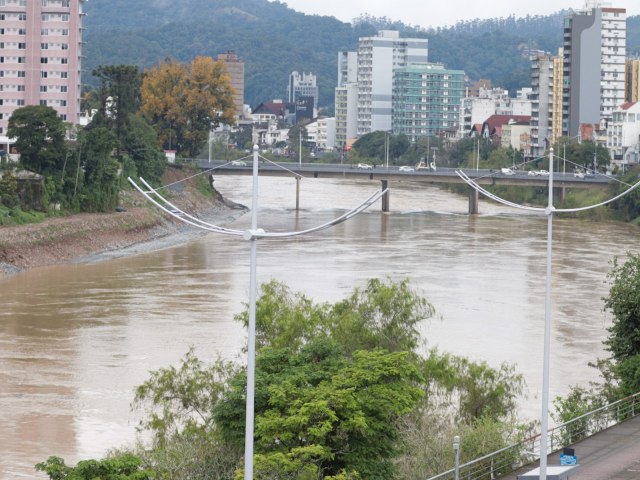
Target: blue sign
568,459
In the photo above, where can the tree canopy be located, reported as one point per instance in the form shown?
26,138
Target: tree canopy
184,101
39,134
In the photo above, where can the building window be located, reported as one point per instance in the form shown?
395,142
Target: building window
63,117
21,59
22,16
65,17
43,102
21,88
22,46
22,31
44,46
64,61
20,102
65,46
65,3
65,31
44,31
22,74
43,89
44,60
63,103
63,88
43,74
63,74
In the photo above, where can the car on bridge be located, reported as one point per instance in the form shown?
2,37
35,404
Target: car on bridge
405,168
507,171
365,166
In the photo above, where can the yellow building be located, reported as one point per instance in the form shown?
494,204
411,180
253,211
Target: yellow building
632,80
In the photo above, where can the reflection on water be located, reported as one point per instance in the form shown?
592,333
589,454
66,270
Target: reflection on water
75,340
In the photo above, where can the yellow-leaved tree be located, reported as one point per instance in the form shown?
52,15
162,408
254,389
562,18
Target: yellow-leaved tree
184,101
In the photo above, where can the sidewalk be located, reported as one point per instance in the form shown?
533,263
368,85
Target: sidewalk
613,454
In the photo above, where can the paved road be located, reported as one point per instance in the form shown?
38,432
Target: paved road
613,454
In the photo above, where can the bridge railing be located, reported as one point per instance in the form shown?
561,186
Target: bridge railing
508,459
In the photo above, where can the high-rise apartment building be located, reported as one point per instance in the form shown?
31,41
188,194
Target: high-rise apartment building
40,57
546,111
347,68
346,113
594,59
235,70
632,81
378,57
426,100
303,86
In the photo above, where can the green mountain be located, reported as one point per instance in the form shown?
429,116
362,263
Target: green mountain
273,40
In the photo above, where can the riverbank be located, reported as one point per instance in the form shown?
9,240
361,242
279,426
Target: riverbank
92,237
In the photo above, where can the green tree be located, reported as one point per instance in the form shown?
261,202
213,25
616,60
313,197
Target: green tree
321,411
39,134
140,141
119,97
623,302
122,466
101,177
9,190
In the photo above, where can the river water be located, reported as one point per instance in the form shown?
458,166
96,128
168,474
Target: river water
76,339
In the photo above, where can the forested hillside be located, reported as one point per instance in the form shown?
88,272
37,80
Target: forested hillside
274,40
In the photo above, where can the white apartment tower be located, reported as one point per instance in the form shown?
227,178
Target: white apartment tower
40,57
377,58
594,61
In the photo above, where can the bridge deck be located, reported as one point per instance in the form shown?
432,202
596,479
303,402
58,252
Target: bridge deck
613,454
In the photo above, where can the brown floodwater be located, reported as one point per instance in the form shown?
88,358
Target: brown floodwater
75,340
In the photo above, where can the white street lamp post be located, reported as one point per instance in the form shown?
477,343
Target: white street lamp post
252,235
456,449
549,212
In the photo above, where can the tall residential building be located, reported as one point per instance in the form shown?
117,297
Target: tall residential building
594,56
347,68
235,69
346,114
426,100
632,80
378,57
546,112
302,86
40,59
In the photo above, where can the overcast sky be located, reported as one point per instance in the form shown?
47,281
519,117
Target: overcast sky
438,13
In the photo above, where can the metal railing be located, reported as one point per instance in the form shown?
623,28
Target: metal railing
508,459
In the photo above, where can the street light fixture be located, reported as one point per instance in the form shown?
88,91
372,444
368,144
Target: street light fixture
252,235
549,212
456,449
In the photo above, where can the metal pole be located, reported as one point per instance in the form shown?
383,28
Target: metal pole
544,423
251,332
386,155
456,448
300,148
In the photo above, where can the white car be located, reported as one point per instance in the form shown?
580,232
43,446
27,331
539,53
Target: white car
507,171
533,173
365,166
578,174
543,172
406,168
239,163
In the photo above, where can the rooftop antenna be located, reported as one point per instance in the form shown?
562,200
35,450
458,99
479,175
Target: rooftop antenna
548,211
252,235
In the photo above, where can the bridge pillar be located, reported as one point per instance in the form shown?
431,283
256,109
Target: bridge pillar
473,201
558,194
385,197
297,193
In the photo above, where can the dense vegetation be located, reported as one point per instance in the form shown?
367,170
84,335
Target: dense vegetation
274,40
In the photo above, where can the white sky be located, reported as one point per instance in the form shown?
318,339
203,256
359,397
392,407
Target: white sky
430,13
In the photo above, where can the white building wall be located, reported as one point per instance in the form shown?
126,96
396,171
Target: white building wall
623,134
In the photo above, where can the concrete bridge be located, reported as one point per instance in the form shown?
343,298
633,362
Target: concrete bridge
387,175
